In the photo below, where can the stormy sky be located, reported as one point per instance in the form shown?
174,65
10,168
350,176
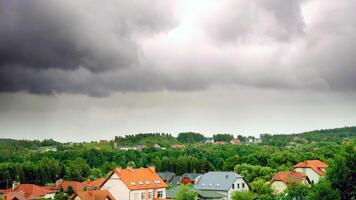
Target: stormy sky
85,69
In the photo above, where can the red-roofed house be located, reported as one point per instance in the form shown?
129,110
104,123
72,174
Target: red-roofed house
93,185
92,195
314,169
135,184
76,186
281,180
28,192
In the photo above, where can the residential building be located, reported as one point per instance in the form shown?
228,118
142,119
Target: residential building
235,141
177,146
166,176
201,194
176,180
282,179
27,191
93,195
93,185
225,183
314,169
75,185
135,184
190,178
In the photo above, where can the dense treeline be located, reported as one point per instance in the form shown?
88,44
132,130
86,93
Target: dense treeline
163,139
19,160
223,137
190,137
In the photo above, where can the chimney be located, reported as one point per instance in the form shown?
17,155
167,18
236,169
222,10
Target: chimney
14,184
152,168
130,168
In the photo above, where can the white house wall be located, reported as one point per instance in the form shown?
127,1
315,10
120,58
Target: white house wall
312,175
117,188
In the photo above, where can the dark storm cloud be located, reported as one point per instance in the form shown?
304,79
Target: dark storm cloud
98,36
100,47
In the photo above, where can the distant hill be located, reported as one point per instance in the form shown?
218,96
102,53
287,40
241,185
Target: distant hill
7,141
337,135
149,139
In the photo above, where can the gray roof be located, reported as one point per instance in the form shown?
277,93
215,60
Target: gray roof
166,176
175,180
172,193
221,181
192,176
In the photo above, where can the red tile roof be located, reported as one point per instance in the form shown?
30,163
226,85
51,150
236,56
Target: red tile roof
93,195
137,179
30,191
76,186
14,195
95,184
315,165
289,177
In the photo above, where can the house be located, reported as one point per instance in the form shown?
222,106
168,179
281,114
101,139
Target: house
177,146
175,180
135,184
166,176
93,185
75,185
235,141
190,178
220,142
202,194
157,146
92,195
314,169
27,192
282,179
225,183
104,142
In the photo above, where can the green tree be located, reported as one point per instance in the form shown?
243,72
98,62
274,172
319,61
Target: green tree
323,190
262,189
61,196
244,195
186,192
70,190
342,172
295,191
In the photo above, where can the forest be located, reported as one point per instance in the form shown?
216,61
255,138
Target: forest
21,160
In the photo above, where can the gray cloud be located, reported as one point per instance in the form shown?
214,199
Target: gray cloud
99,48
245,20
98,36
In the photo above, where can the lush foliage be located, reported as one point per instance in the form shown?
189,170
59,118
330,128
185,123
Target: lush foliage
190,137
21,160
243,196
186,192
223,137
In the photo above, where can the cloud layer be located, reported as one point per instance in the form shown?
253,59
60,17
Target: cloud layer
99,48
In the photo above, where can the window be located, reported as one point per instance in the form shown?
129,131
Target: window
238,186
233,186
160,194
150,195
135,196
140,182
143,196
147,182
243,185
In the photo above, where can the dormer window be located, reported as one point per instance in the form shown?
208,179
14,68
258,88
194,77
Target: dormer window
132,183
203,184
210,185
218,185
140,182
147,182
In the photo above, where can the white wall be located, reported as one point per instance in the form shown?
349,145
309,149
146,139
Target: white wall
312,175
117,188
278,186
238,182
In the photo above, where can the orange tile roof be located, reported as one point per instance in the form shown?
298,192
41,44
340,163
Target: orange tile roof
315,165
289,176
93,195
94,184
30,191
14,195
137,179
76,186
